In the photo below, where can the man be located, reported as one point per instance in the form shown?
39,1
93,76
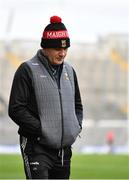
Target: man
45,103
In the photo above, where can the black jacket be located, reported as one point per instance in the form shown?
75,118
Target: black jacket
22,104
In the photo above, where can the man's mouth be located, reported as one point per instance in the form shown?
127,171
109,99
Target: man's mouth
60,59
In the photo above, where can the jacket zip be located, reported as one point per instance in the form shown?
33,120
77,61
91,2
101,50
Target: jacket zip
61,152
59,90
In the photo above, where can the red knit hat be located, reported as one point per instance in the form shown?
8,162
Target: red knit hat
55,34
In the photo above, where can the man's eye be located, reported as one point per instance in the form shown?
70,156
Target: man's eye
57,49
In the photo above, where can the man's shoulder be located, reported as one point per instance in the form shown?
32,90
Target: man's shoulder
68,65
32,60
24,66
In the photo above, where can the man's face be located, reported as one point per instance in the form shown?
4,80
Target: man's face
56,55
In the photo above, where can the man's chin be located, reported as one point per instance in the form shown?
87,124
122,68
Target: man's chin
59,61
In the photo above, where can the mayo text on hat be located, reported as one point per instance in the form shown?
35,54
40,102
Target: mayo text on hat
55,34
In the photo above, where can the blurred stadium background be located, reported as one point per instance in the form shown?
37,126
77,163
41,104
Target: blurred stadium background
102,68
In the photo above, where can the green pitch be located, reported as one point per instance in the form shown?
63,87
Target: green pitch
83,167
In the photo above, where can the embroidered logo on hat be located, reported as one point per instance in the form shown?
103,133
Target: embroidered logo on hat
63,43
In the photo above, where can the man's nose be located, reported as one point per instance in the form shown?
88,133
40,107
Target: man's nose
62,52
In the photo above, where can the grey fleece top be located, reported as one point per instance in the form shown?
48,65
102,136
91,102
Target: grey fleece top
23,108
56,106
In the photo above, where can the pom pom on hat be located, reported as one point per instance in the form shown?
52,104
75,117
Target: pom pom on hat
55,19
55,34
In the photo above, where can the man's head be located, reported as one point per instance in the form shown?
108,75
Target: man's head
55,41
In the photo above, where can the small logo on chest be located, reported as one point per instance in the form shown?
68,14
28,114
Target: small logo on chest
66,77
